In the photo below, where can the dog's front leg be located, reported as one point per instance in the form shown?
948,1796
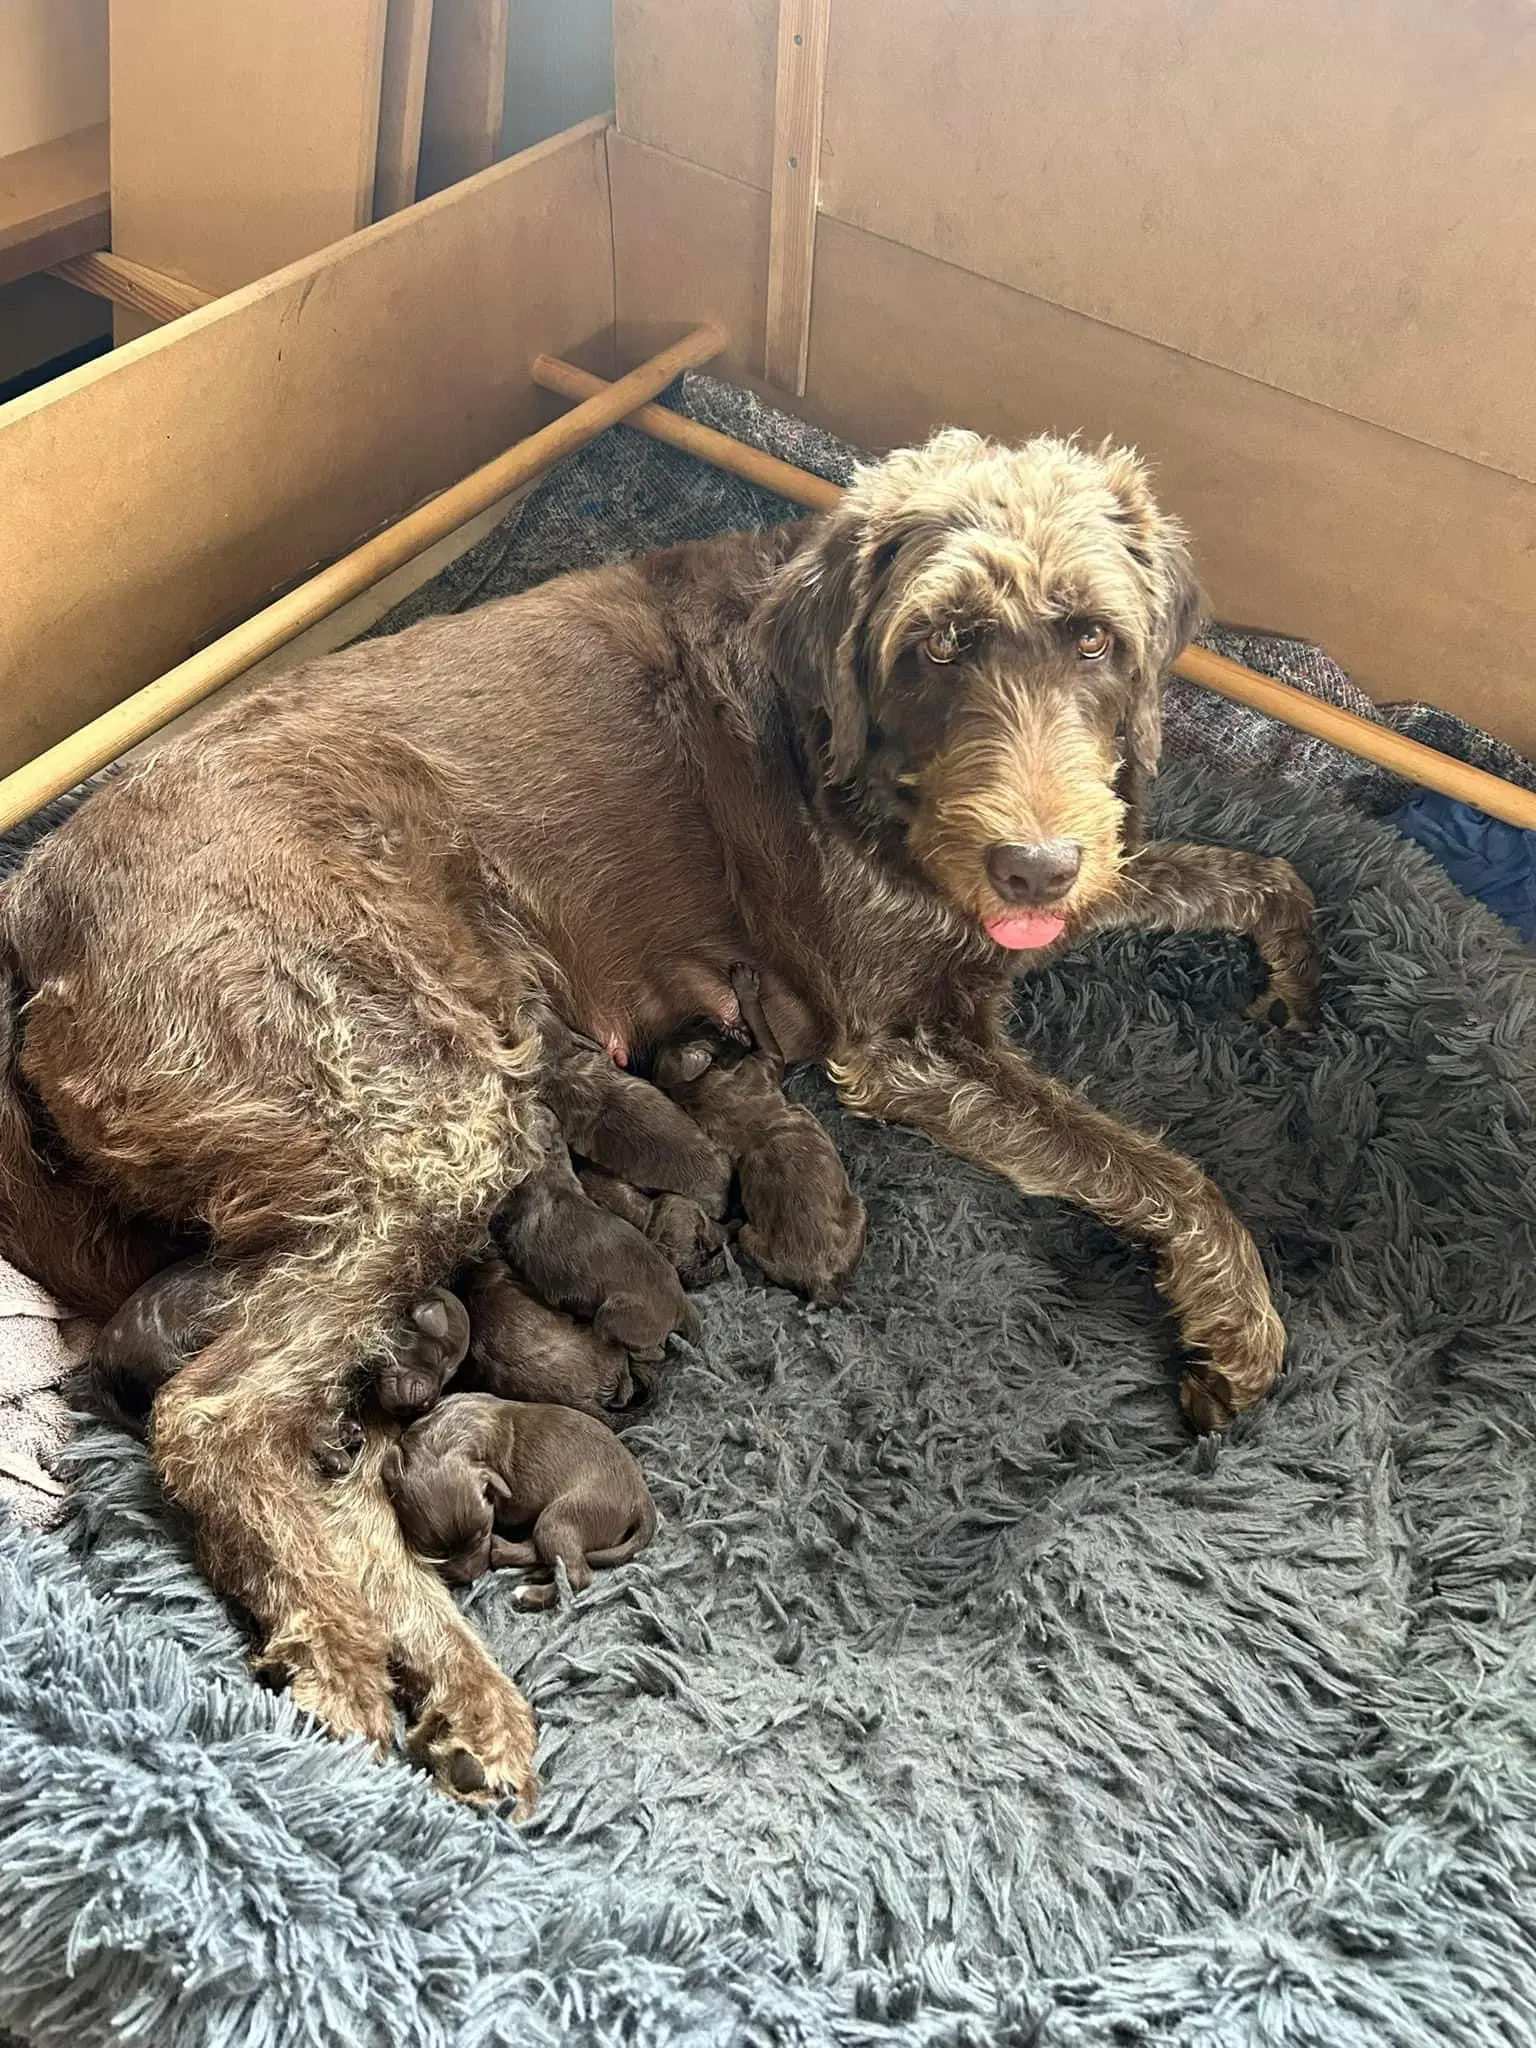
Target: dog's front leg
986,1103
1168,886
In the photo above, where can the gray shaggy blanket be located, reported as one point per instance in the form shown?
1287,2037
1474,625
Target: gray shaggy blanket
962,1698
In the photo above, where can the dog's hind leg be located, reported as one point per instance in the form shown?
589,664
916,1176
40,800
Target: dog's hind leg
421,1154
1168,886
322,1569
472,1728
986,1103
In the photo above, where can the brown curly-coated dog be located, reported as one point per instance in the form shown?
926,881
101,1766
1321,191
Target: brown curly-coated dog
282,985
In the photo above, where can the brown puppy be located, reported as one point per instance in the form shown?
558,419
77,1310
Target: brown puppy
585,1259
476,1465
625,1127
179,1312
523,1350
804,1226
691,1242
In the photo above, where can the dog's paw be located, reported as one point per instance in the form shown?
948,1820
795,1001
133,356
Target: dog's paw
361,1705
481,1752
1290,954
1206,1399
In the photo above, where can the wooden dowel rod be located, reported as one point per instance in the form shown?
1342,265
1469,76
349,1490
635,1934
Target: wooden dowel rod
1410,759
94,745
720,450
1345,729
127,283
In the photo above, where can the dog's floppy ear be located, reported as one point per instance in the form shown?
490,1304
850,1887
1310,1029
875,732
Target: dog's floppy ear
810,623
1159,546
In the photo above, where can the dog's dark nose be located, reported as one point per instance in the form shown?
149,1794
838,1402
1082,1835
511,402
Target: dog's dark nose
1034,874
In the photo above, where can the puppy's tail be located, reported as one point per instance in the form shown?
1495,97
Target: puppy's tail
56,1224
640,1533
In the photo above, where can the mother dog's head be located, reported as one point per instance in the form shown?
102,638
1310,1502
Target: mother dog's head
978,637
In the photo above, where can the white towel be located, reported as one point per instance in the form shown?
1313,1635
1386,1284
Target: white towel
39,1342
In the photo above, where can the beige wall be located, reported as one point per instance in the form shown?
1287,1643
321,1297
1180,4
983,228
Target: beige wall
1291,251
53,69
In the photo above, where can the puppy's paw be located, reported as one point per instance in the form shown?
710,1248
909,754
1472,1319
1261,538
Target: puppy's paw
338,1450
432,1348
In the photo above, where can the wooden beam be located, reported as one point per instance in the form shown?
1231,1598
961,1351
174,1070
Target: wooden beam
94,745
148,291
1378,743
796,177
709,445
466,91
402,98
54,202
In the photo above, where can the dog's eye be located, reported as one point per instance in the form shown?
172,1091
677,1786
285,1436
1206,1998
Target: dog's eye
947,642
1094,641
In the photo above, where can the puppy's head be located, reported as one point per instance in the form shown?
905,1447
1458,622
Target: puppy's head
977,637
446,1503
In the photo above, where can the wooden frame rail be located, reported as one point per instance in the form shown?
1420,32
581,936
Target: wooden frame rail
60,767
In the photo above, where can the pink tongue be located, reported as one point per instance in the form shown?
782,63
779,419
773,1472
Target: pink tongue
1025,930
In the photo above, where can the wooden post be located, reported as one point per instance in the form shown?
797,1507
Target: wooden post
402,96
796,174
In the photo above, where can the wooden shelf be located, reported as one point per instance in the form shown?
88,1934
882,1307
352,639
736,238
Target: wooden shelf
54,202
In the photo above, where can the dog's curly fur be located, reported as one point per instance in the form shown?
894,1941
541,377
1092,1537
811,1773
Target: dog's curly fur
281,984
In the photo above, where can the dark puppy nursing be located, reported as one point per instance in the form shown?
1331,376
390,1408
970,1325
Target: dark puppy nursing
585,1259
692,1243
524,1350
804,1225
180,1311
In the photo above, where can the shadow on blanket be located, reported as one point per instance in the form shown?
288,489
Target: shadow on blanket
961,1696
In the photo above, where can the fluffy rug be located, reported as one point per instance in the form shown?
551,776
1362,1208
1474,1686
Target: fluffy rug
961,1698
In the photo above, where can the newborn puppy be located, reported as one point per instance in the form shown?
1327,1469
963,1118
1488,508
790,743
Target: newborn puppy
174,1315
585,1259
178,1313
476,1465
523,1350
625,1126
693,1243
804,1224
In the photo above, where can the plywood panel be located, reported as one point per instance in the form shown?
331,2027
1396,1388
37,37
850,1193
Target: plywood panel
1340,201
402,96
53,70
466,91
1410,566
53,202
688,245
243,136
204,467
696,78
